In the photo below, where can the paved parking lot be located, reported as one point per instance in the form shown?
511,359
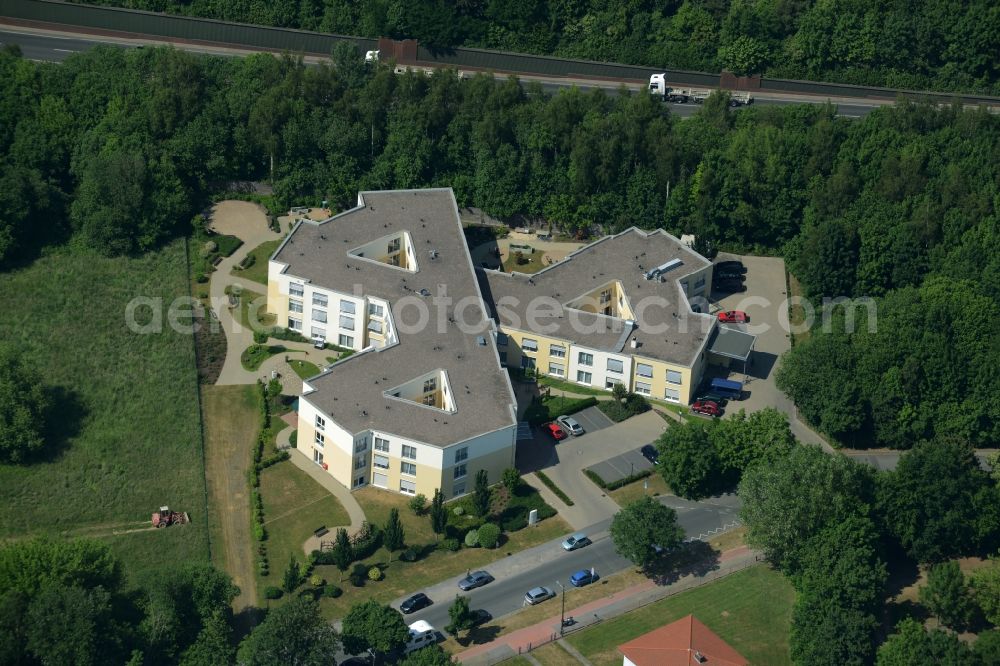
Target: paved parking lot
592,419
620,466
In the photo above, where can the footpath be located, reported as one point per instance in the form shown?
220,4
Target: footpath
593,613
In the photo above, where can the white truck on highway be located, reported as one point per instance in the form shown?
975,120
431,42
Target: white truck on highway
658,86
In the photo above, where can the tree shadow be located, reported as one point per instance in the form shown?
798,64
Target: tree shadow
244,622
694,558
479,635
63,421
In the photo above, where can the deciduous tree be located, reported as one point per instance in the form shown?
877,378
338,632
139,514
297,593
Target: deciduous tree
292,633
371,626
640,526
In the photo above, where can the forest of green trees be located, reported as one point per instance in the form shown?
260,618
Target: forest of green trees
910,44
117,150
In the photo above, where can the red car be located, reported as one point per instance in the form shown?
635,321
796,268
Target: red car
734,317
556,432
706,407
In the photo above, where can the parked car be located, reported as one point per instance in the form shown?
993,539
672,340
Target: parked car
712,396
728,276
729,286
537,595
474,580
730,267
422,634
706,407
578,540
556,432
415,603
570,425
733,317
650,453
481,616
583,577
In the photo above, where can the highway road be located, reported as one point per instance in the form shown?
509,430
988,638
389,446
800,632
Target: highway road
52,46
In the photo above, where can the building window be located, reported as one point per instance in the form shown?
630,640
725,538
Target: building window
319,439
501,339
643,388
345,341
375,326
673,395
381,444
320,422
458,489
557,351
408,487
673,377
615,365
347,307
393,246
700,282
460,471
610,383
408,468
347,322
375,310
644,370
381,462
462,454
503,357
359,463
409,452
583,377
361,445
556,369
320,316
430,400
360,481
294,306
320,300
318,332
529,345
430,385
294,324
527,362
295,289
585,359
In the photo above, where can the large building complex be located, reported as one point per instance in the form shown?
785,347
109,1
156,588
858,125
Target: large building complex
425,403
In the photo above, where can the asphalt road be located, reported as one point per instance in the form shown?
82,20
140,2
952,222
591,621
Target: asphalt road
56,48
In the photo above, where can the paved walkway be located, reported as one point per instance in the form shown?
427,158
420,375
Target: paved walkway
594,612
342,494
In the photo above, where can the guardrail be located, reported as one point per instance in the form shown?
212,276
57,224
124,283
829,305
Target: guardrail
137,23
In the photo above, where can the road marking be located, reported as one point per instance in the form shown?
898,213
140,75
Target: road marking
64,50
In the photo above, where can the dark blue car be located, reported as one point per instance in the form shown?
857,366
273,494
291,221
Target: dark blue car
583,577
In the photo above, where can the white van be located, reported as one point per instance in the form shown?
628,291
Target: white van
422,634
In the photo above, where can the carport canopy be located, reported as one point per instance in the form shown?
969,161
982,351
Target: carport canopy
732,343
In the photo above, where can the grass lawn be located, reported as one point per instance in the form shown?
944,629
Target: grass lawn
254,355
253,309
553,655
129,437
571,387
796,313
533,266
261,253
406,577
294,506
544,409
304,369
517,661
635,490
750,610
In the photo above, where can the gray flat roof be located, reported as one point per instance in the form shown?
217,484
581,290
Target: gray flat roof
351,391
732,343
666,330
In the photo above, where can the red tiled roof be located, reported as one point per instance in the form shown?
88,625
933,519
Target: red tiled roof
679,644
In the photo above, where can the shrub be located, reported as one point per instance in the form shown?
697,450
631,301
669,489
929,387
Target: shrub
408,555
248,261
332,591
511,479
201,278
366,541
324,557
272,592
418,504
259,337
472,538
459,510
596,478
614,485
208,249
316,580
374,574
516,522
450,544
489,535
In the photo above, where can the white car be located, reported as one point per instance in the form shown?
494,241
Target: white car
578,540
537,595
570,425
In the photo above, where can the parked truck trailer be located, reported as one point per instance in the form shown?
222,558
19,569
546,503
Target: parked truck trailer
658,86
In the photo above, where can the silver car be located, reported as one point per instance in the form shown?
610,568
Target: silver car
570,425
537,595
578,540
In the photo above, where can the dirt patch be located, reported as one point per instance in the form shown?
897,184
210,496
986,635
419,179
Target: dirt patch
238,218
231,423
210,348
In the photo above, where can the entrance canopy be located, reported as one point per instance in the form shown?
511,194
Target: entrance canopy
731,343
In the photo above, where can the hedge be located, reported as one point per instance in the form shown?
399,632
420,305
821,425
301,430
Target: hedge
550,484
614,485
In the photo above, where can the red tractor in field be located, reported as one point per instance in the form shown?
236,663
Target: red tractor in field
165,517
